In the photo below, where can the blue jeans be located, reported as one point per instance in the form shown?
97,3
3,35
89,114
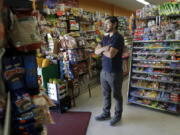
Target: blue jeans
112,82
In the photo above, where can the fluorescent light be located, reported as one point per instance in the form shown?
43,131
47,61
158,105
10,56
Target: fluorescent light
143,2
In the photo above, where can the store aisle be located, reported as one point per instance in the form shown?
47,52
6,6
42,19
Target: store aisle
136,120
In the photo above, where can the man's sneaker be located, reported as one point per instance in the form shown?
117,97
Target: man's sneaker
102,117
114,120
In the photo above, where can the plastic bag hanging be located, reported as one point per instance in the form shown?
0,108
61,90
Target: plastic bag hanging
24,33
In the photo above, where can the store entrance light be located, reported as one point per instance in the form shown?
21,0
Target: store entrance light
143,2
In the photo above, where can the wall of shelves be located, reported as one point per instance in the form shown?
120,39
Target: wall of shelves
155,82
151,89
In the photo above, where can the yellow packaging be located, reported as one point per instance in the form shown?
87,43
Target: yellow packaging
39,61
45,63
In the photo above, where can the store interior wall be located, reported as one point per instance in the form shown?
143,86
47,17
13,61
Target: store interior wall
118,11
96,5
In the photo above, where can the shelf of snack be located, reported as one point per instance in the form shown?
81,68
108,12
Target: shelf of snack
155,41
155,63
170,108
154,96
157,73
135,85
70,36
161,66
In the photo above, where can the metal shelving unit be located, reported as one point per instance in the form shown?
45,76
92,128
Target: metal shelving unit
155,80
160,67
152,89
155,60
152,48
156,54
155,99
155,41
137,75
157,74
144,105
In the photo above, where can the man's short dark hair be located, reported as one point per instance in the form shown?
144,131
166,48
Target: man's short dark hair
113,20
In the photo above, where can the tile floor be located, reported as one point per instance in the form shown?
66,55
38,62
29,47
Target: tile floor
136,120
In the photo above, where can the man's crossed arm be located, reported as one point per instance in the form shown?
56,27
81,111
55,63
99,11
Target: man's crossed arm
108,51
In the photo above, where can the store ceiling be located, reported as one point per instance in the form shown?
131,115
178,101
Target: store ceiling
131,4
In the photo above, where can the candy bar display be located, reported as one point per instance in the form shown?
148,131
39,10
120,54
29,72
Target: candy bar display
155,66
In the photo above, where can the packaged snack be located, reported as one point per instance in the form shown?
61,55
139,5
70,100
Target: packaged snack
21,103
14,72
43,115
31,78
42,100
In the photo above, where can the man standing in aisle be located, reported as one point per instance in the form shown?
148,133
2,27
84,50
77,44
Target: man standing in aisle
111,77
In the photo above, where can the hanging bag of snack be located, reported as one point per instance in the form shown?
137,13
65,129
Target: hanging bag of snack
24,32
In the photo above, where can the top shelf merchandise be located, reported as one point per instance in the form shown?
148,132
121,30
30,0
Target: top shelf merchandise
161,29
151,11
155,65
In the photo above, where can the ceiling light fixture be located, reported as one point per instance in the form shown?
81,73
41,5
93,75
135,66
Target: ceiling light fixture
143,2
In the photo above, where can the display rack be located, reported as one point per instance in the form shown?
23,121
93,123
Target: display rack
155,72
154,86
